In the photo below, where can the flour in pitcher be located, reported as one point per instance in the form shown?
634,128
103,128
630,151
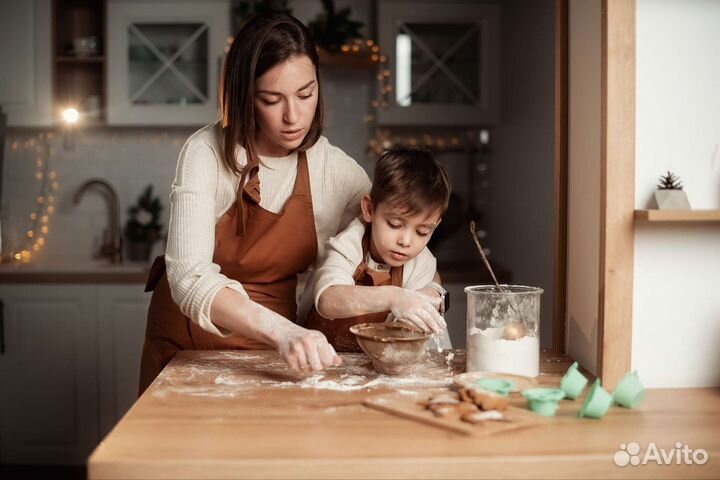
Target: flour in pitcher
488,351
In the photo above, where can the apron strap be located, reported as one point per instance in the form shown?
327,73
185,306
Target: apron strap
156,272
251,189
396,276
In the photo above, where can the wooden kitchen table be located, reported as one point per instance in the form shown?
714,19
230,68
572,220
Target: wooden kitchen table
241,415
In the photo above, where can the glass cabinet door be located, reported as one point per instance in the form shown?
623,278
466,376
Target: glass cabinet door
437,63
167,63
444,62
164,62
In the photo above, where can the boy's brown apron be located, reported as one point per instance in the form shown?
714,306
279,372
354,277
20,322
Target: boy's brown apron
337,331
262,250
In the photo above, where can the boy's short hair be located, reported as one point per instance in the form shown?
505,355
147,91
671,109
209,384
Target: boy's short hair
412,180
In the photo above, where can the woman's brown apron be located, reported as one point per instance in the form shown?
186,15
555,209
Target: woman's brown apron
337,331
262,250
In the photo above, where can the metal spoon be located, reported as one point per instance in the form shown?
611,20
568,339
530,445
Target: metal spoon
487,264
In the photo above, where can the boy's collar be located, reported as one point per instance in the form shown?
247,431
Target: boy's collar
378,267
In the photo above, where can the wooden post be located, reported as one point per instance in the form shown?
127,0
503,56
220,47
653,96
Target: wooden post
561,176
617,190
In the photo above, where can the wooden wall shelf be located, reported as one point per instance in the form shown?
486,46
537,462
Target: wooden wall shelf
675,216
69,59
353,61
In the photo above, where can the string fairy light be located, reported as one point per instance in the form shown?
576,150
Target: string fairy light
368,48
385,139
41,149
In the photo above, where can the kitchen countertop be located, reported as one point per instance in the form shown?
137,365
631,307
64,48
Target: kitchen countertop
76,271
240,414
101,271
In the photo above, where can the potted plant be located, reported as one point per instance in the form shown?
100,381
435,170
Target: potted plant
334,28
670,195
143,227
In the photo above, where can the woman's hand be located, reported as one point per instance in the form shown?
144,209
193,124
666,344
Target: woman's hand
418,310
304,349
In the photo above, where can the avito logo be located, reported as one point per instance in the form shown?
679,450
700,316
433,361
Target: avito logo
680,455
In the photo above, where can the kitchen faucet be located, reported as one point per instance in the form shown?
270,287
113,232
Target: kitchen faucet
112,239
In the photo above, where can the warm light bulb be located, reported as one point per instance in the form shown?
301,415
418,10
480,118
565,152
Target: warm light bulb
71,115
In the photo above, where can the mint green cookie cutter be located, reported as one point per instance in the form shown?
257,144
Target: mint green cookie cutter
573,382
597,402
496,385
629,392
544,401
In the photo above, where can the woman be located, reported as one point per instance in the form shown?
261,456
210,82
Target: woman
254,199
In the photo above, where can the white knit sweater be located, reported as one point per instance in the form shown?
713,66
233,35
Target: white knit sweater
203,191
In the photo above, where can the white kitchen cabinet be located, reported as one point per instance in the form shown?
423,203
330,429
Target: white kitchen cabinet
25,62
70,367
444,62
48,406
164,61
122,311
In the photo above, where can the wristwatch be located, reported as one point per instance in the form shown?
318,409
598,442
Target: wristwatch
444,296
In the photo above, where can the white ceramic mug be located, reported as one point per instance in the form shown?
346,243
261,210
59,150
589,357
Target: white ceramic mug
85,45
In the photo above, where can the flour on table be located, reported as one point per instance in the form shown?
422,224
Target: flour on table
230,374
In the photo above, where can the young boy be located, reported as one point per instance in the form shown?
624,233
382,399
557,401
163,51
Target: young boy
372,271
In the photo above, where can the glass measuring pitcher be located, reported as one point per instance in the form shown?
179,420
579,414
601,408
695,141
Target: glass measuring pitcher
503,329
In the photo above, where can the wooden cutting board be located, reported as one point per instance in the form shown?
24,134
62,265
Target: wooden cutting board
408,406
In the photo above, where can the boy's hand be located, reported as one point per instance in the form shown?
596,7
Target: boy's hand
418,310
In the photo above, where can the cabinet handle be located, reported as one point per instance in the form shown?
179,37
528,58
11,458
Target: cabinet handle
2,327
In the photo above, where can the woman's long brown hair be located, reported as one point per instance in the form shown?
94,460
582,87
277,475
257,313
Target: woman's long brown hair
264,41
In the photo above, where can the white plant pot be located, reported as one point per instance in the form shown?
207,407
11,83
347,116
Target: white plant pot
671,200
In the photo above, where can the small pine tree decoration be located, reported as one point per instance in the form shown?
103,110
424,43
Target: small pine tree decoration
143,224
670,181
669,194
